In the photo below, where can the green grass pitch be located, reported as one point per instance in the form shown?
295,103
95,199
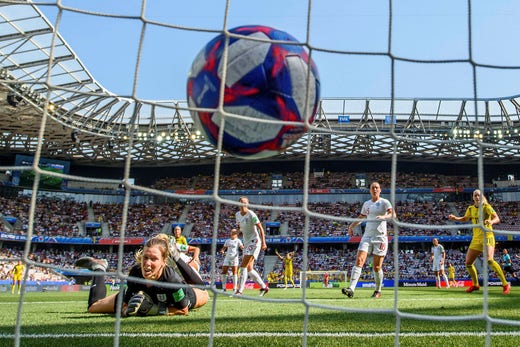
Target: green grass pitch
447,317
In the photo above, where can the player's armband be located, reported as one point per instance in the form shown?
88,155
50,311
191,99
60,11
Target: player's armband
180,299
182,248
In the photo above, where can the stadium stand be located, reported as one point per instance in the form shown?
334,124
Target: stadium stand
56,217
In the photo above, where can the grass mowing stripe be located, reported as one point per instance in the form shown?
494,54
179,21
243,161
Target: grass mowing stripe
242,321
269,334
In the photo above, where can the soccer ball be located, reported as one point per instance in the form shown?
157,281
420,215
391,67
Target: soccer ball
264,80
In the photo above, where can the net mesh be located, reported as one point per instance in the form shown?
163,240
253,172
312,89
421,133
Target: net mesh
396,61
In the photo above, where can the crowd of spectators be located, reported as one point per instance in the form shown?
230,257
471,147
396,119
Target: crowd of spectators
427,217
320,227
317,180
234,181
432,215
50,260
425,213
201,216
52,217
414,261
36,273
143,220
55,217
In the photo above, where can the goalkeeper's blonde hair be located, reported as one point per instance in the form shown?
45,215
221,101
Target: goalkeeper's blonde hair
160,241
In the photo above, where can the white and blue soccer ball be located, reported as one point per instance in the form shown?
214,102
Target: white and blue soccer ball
264,80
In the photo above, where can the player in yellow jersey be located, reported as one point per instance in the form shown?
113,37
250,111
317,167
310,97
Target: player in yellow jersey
287,267
190,254
179,238
17,273
481,238
451,275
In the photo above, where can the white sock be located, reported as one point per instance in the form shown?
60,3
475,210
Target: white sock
243,278
224,281
257,278
235,281
378,278
354,277
438,281
446,280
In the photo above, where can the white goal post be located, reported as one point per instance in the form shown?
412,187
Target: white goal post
315,279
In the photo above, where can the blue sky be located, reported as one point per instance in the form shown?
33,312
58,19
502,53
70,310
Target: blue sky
351,39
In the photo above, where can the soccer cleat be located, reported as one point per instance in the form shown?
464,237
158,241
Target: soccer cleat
348,292
238,292
506,289
377,294
92,264
264,291
472,289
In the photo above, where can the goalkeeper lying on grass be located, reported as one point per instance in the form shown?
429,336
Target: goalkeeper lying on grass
141,299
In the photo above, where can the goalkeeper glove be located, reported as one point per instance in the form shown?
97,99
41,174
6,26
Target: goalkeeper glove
141,304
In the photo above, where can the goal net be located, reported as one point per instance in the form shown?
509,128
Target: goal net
403,83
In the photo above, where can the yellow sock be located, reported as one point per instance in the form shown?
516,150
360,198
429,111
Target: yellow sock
498,270
473,274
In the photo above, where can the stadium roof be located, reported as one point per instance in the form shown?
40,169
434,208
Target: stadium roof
42,78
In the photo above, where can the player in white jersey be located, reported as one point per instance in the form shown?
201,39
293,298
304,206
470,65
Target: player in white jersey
254,241
375,213
231,249
438,258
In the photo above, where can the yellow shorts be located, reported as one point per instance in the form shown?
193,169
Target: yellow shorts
477,243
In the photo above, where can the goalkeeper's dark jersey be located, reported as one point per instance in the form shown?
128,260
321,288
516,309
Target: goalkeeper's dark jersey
165,297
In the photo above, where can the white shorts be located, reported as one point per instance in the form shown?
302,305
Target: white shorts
229,262
188,260
374,245
253,248
184,257
437,266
